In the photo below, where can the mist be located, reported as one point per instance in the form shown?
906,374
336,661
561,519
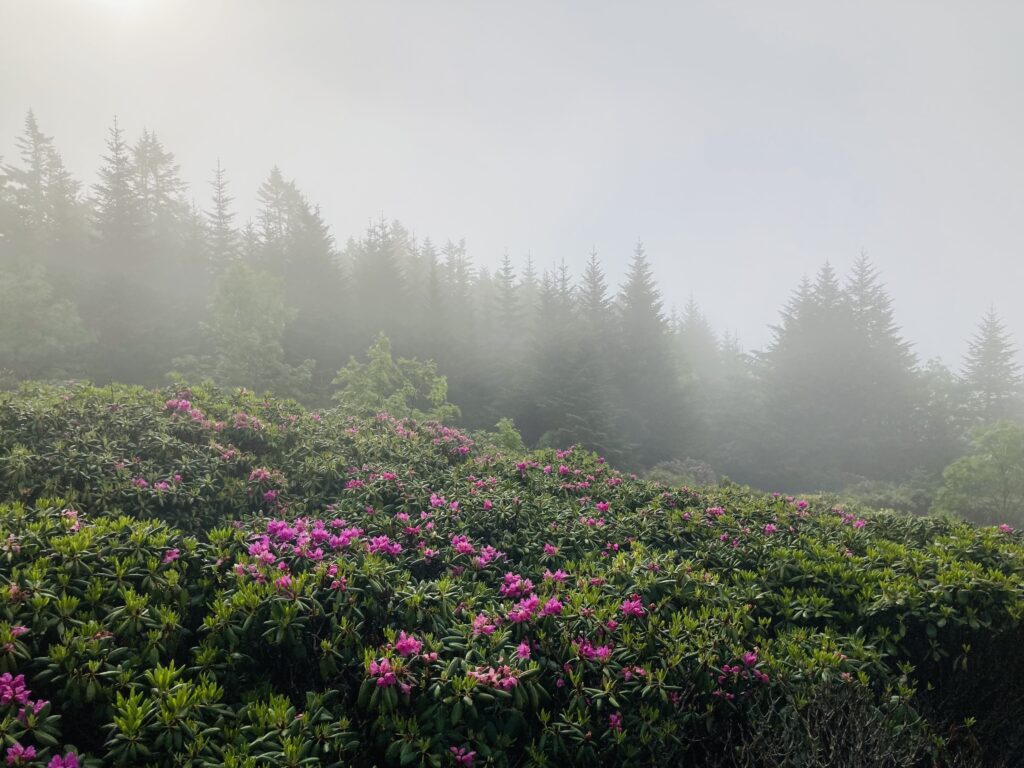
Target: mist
675,236
492,385
743,145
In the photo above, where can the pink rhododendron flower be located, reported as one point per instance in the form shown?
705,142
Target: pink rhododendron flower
550,549
632,607
552,607
615,721
12,689
383,672
462,756
171,555
19,755
769,529
504,677
407,645
384,545
70,760
523,650
1006,529
483,625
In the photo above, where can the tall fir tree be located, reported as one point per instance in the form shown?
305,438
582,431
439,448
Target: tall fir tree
45,225
991,373
647,375
223,248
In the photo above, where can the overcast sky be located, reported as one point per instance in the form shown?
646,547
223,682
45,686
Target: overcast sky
744,143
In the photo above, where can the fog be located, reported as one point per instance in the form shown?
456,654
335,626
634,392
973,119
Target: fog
744,143
775,244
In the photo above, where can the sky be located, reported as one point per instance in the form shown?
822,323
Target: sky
743,143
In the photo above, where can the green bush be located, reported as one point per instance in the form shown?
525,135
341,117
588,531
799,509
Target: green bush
214,579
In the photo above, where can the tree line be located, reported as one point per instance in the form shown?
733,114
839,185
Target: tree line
130,280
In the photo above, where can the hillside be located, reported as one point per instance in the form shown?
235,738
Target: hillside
205,578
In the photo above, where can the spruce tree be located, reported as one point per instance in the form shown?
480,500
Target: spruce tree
646,371
223,246
991,373
44,224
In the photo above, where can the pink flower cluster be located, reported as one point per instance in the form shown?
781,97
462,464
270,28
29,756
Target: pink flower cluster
482,625
13,690
591,652
504,677
383,545
514,585
632,607
383,672
462,545
407,645
462,756
488,554
19,755
849,519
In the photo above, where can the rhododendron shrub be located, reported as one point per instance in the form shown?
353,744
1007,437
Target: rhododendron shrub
403,597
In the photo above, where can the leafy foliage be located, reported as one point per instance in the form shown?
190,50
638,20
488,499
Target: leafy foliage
192,577
398,387
987,485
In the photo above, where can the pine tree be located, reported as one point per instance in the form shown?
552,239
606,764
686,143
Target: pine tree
698,344
122,292
594,303
647,376
45,224
807,383
223,237
991,373
159,190
118,217
379,290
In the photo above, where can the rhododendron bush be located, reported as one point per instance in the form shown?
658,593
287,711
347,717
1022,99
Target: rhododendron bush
200,578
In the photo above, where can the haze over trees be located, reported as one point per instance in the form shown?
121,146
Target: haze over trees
136,276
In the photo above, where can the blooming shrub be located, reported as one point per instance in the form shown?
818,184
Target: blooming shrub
376,611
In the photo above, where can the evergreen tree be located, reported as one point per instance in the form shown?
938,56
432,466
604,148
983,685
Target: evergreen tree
44,224
118,216
808,383
991,373
647,375
594,303
41,335
223,248
247,320
121,292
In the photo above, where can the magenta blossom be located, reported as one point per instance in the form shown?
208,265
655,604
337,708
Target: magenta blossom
523,650
70,760
632,607
383,672
462,756
552,607
384,545
407,645
171,555
19,755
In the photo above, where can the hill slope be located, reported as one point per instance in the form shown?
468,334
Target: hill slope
201,578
